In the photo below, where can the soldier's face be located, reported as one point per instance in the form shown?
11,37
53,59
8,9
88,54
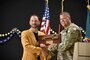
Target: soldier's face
64,20
34,21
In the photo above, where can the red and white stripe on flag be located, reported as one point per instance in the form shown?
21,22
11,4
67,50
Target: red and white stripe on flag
45,26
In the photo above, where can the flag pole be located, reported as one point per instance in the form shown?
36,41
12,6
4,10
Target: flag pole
46,1
62,6
88,6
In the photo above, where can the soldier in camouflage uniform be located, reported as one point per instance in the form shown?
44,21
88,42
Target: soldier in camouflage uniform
70,35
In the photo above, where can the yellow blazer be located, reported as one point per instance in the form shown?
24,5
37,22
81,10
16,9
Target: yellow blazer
30,51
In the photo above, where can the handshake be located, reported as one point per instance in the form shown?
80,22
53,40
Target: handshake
46,49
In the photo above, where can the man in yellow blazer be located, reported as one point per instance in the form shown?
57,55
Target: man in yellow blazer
29,38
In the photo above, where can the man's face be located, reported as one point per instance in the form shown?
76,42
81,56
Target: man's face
64,20
34,21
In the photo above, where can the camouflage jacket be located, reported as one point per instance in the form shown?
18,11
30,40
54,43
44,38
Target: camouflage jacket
69,36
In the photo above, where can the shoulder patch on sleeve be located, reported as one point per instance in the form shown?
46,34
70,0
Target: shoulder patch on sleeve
74,28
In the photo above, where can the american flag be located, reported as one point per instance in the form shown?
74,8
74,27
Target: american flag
45,25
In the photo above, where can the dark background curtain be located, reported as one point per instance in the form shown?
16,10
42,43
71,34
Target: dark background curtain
16,13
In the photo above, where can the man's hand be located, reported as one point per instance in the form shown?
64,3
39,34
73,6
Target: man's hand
44,49
42,45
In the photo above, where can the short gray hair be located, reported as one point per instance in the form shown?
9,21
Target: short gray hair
65,14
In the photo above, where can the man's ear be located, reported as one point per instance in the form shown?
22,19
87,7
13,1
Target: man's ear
29,22
39,23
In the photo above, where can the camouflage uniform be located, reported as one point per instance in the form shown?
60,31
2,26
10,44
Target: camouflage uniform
69,36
